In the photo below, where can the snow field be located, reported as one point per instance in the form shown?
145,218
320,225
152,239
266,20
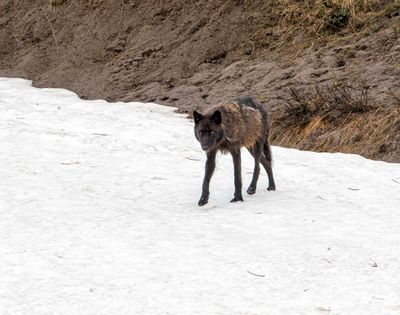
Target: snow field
99,215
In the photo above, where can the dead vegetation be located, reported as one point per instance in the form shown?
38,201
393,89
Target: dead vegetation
309,21
340,117
332,102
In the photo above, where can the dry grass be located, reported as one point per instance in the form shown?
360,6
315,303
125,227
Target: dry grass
332,102
303,23
340,119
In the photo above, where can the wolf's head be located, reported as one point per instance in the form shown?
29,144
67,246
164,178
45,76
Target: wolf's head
208,129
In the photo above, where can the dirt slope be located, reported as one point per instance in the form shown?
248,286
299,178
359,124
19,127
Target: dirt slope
192,54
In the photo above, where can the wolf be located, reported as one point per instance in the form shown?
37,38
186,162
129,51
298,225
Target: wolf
227,127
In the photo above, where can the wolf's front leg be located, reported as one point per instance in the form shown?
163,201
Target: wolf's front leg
237,165
210,166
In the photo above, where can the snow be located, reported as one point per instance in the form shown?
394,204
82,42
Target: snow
99,215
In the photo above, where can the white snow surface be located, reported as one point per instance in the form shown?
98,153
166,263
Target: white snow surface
99,215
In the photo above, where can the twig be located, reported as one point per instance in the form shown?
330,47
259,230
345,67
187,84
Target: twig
52,30
192,159
100,134
254,274
378,298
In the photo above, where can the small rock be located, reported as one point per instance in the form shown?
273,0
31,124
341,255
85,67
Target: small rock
340,63
396,48
137,58
117,46
247,51
361,47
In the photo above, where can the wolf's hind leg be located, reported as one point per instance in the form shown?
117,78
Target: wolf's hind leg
266,161
256,152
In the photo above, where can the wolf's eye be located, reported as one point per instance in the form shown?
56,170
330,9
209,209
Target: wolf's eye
201,133
212,132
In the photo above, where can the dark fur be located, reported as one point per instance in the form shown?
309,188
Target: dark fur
227,128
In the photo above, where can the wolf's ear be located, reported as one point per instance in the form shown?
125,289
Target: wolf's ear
197,117
216,117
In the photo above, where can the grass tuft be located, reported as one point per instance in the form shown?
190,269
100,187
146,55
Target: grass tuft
330,102
336,19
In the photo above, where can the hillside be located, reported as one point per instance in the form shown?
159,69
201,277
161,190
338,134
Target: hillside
337,63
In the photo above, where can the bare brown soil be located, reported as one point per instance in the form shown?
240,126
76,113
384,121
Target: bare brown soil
191,54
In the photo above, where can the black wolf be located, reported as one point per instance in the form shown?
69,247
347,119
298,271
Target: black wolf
227,127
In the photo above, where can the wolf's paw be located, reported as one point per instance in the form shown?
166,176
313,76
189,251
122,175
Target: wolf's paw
251,190
271,187
203,200
236,199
